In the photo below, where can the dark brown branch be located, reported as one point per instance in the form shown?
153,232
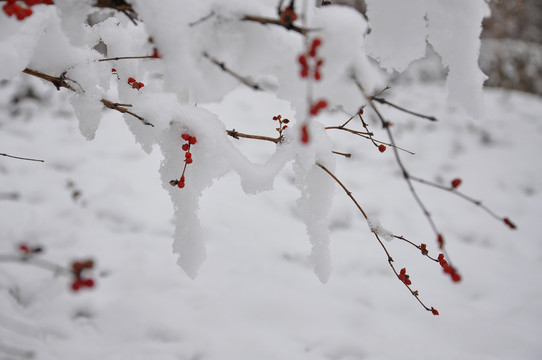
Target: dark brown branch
60,81
384,101
236,135
461,195
265,21
119,5
57,81
129,58
121,108
32,260
347,155
388,255
406,175
367,135
21,158
224,68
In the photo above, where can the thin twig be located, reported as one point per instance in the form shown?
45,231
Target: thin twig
120,108
21,158
199,21
224,68
236,135
384,101
388,255
347,155
32,260
59,81
265,21
129,58
460,194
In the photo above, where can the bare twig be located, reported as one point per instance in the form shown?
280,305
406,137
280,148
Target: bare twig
60,82
30,259
121,108
21,158
414,293
463,196
384,101
57,81
119,5
199,21
346,155
236,135
224,68
129,58
265,21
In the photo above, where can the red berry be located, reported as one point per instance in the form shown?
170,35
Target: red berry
113,70
48,2
131,80
316,42
189,160
312,52
192,140
9,9
185,147
434,311
304,72
76,284
456,183
440,240
155,54
182,178
186,137
88,282
24,248
11,2
456,277
302,60
188,155
510,224
382,148
180,184
317,75
304,134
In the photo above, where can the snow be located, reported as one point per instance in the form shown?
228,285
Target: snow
256,295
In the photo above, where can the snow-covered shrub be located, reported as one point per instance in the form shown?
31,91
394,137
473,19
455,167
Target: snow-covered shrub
158,63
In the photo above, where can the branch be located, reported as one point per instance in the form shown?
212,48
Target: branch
414,293
467,198
236,135
224,68
119,5
21,158
60,81
265,21
384,101
129,58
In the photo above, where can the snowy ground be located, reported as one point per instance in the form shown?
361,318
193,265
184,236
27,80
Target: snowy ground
256,296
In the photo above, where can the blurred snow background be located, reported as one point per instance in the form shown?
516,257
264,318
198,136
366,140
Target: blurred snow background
256,295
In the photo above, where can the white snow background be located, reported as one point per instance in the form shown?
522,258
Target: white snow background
256,296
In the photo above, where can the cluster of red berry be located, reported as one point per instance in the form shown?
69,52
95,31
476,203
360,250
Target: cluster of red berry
13,8
79,281
282,123
311,56
316,107
404,277
190,140
135,85
448,269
